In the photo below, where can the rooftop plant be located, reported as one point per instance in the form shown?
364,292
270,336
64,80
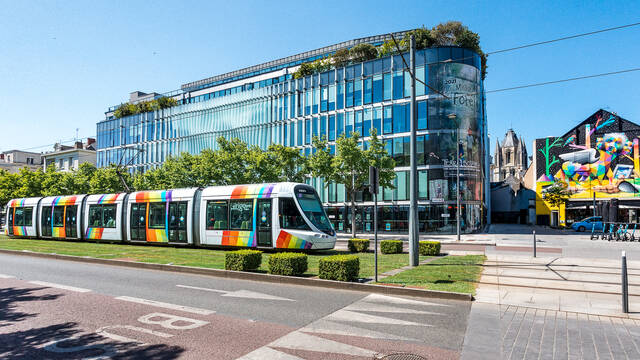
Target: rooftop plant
127,109
451,33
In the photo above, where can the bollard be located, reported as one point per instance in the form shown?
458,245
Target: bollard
534,244
625,285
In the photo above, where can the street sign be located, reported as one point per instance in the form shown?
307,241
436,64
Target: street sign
437,200
445,215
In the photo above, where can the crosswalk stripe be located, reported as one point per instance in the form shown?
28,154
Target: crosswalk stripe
323,326
350,316
399,301
301,341
365,306
268,353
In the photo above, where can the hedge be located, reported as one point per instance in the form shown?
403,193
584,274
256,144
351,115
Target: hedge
391,246
339,267
429,248
242,260
288,263
358,245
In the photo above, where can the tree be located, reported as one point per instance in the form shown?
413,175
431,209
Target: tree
305,69
341,58
556,194
287,163
379,158
30,183
363,52
454,33
82,178
423,37
9,185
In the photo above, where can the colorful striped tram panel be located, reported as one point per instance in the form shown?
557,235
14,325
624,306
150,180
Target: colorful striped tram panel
279,215
22,217
60,217
103,218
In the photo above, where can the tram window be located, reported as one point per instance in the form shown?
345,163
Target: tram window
217,215
102,216
10,220
241,214
95,216
157,215
178,221
46,221
17,218
290,217
58,216
27,219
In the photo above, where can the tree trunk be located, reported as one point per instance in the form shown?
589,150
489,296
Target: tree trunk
353,213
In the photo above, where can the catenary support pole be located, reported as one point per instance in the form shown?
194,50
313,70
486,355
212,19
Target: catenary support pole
375,232
625,285
458,182
413,186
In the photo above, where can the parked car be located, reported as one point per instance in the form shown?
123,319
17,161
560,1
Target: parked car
588,224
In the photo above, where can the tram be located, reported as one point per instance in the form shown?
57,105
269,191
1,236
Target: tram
277,215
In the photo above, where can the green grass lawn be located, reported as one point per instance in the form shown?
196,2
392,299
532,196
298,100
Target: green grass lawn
451,273
207,258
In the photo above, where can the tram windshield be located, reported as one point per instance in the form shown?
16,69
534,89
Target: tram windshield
312,209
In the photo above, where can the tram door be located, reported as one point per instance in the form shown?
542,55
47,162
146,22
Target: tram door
71,222
10,222
264,222
138,222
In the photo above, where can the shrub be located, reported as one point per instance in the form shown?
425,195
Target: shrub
429,248
339,267
288,263
358,245
242,260
363,52
391,246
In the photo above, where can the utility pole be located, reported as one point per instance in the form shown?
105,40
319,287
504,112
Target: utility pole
413,185
458,183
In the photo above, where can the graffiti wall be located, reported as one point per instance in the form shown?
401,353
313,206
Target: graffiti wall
600,156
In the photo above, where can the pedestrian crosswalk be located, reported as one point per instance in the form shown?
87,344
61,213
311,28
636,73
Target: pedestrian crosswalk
363,329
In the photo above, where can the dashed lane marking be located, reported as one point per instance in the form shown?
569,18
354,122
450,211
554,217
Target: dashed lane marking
201,288
166,305
60,286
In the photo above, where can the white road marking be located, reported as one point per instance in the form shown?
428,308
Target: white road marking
238,293
397,300
166,305
59,286
103,332
365,306
268,353
301,341
3,276
350,316
201,288
254,295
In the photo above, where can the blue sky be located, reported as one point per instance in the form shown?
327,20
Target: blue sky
63,63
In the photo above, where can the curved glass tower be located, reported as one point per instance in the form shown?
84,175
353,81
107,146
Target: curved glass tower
263,104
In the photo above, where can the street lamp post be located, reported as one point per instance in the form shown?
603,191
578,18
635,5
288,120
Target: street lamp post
413,184
453,117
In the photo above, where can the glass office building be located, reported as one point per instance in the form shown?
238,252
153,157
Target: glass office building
264,104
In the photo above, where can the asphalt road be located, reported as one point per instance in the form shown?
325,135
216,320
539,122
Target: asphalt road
69,310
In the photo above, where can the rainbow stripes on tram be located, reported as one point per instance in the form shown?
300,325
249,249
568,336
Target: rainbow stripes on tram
157,235
64,200
250,191
108,199
20,231
58,232
239,238
288,241
17,203
94,233
154,196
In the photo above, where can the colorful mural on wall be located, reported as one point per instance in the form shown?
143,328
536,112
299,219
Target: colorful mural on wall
599,157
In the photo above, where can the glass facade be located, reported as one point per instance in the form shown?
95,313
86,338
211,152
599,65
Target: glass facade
359,97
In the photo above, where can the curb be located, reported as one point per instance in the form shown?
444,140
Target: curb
240,275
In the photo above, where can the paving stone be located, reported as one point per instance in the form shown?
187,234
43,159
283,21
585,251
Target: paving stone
573,337
533,347
548,335
561,349
521,341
